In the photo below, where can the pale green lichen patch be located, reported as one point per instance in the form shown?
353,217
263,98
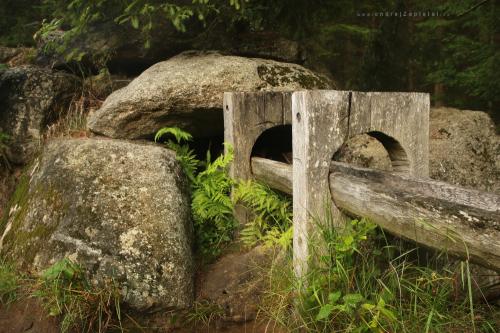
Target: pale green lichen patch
21,241
277,76
88,202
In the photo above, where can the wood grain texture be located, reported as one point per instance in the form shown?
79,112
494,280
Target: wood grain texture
276,174
462,221
246,116
403,118
319,127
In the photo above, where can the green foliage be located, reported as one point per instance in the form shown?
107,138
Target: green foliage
74,18
185,155
9,283
272,221
360,283
211,203
205,312
456,56
66,293
19,19
460,52
212,206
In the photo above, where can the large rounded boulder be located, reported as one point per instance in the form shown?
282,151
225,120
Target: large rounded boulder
464,149
187,91
32,98
120,210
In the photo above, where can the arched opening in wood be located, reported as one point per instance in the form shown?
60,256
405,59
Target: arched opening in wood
374,150
275,144
397,154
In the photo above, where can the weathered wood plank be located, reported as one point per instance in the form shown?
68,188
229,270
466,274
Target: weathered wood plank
402,117
462,221
276,174
319,127
246,116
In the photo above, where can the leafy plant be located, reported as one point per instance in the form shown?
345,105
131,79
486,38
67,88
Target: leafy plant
9,283
358,282
146,16
211,203
272,221
65,292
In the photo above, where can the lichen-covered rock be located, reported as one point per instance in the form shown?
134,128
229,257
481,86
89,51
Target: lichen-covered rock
364,151
464,149
187,91
32,98
119,209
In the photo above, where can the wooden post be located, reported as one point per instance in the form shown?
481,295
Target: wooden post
319,127
461,221
246,116
323,120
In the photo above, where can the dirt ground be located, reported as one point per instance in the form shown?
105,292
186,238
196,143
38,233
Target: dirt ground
233,283
26,316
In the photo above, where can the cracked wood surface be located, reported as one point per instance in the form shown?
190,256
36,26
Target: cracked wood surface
462,221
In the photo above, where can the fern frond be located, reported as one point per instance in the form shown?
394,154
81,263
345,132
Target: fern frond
272,214
176,132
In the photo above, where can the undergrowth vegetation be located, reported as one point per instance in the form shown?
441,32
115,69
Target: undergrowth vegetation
9,283
272,215
211,204
359,282
359,279
65,293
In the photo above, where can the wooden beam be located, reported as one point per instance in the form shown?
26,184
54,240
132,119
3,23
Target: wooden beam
462,221
276,174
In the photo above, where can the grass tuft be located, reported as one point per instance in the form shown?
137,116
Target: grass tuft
10,283
360,281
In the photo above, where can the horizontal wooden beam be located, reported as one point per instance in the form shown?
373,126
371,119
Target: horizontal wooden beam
462,221
276,174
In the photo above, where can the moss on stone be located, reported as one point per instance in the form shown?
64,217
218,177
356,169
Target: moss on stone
21,244
277,75
19,198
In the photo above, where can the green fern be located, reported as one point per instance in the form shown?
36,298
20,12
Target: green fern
185,155
176,132
211,203
213,208
272,223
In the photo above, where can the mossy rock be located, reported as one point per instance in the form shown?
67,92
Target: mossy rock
31,99
187,91
121,210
